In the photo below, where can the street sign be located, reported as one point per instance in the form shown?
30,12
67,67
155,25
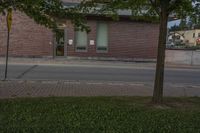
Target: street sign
9,19
9,24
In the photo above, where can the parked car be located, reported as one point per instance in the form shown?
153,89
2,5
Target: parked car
198,41
170,44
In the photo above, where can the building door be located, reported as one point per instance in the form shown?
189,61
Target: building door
60,42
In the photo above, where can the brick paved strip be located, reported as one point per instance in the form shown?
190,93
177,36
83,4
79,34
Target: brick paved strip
20,88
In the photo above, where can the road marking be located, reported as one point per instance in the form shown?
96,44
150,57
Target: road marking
118,84
177,85
195,86
71,82
89,83
136,84
20,81
49,82
32,82
25,72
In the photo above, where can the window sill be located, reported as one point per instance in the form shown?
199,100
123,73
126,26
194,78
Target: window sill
101,51
81,51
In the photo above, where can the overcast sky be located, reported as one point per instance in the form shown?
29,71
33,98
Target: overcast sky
172,23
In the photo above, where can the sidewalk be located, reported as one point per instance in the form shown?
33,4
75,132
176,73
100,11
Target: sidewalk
95,63
48,88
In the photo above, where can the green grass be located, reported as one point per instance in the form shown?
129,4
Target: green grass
99,114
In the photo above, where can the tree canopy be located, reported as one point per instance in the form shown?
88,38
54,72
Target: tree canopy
147,9
44,12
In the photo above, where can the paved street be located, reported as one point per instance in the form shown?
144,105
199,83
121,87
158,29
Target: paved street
95,80
100,73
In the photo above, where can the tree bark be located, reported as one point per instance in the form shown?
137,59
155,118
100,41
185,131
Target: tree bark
159,76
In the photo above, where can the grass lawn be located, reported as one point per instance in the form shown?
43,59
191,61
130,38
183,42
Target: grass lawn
99,114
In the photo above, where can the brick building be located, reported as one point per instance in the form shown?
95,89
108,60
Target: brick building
116,39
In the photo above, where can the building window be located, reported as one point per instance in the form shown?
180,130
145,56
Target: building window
193,35
81,40
198,34
102,37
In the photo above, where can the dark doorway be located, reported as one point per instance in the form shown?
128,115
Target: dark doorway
60,42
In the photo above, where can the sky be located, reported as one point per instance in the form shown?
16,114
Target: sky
172,23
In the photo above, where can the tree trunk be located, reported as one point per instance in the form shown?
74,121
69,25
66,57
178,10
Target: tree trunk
159,77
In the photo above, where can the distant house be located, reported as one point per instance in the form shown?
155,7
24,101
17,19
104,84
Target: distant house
187,37
176,38
125,38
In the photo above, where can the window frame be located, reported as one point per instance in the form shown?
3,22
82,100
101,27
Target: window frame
194,35
75,41
198,34
97,26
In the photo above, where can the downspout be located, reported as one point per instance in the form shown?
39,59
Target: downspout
53,47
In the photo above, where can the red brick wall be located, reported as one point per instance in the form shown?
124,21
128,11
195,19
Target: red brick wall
27,38
126,40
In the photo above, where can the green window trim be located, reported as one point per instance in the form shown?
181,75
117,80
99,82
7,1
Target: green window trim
102,37
81,40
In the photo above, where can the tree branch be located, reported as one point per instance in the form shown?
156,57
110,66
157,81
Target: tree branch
155,6
172,5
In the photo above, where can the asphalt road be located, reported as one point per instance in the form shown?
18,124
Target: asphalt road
35,72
